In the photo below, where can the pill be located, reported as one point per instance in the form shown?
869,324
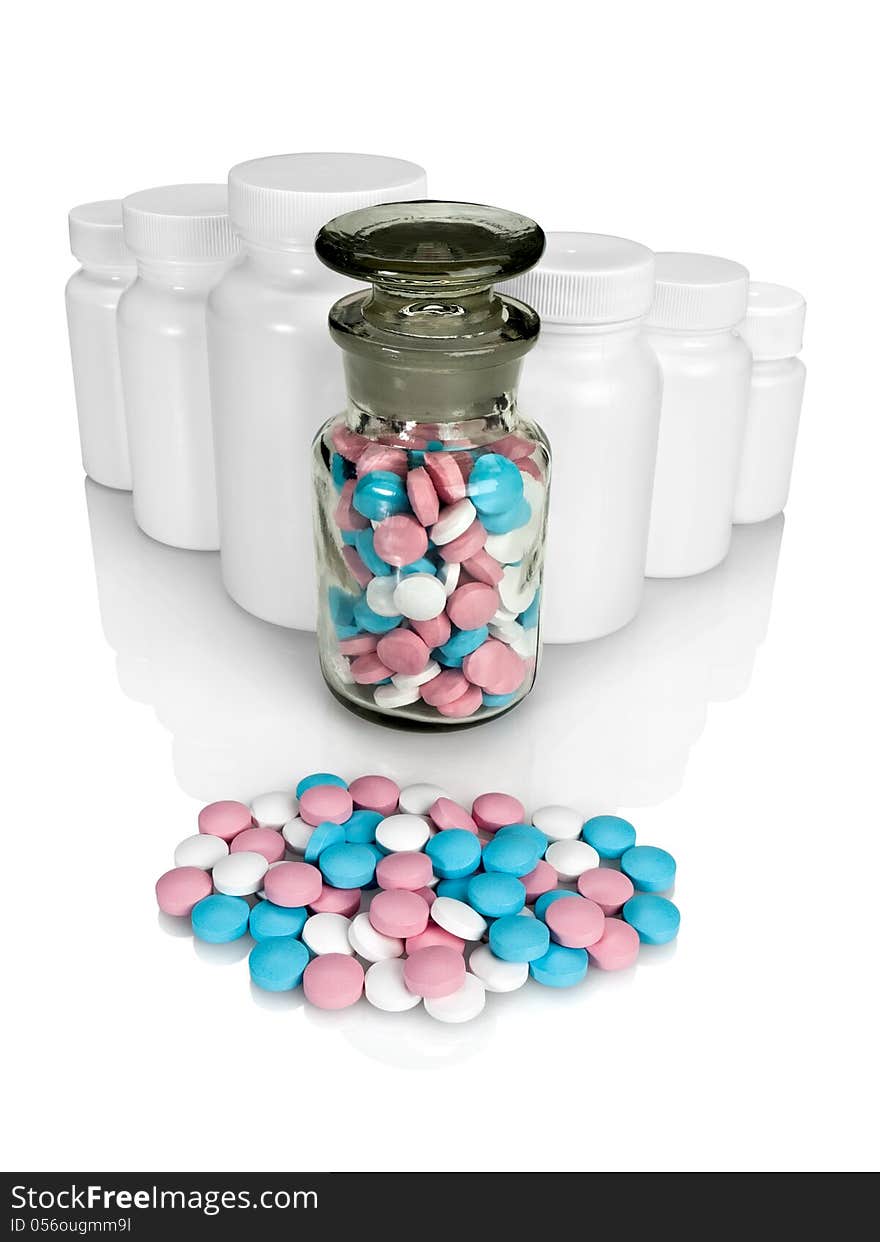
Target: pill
265,841
452,522
371,944
402,651
512,854
219,919
415,681
463,1005
569,859
495,974
273,810
446,814
458,918
356,567
371,621
434,632
651,870
422,496
453,888
225,819
515,589
617,948
402,832
327,933
407,869
497,700
459,645
324,835
268,921
454,853
345,901
334,980
277,964
419,597
495,667
375,793
449,575
472,605
365,544
466,545
436,970
495,894
446,476
434,934
297,834
293,884
347,442
495,484
559,823
422,566
510,548
546,899
238,875
381,457
609,889
178,891
397,912
419,798
347,866
319,778
428,894
560,967
400,539
379,495
369,670
345,514
492,811
391,696
328,803
528,619
380,597
575,924
510,519
656,919
483,568
360,828
518,940
385,988
200,850
609,835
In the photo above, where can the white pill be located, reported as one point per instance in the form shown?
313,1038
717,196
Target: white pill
296,834
515,592
496,975
201,850
418,799
510,547
526,644
430,671
273,810
503,616
468,1002
458,918
385,988
510,632
370,944
421,597
403,832
569,859
380,595
453,521
238,875
559,823
395,696
327,933
449,574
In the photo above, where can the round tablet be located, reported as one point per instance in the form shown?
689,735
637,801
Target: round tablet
402,832
419,597
326,803
512,854
434,935
558,823
361,644
345,901
237,875
446,476
472,605
380,596
458,918
560,967
347,442
617,948
542,879
400,539
651,870
379,494
268,921
547,899
511,519
407,869
483,568
200,850
333,981
415,681
371,621
495,484
449,574
453,888
358,570
569,859
322,838
446,814
460,1006
360,829
575,924
495,894
392,697
656,919
422,496
607,887
434,971
418,799
219,919
518,940
273,810
347,866
293,884
452,522
609,835
377,456
327,933
319,778
434,632
278,964
178,891
369,670
370,944
495,974
345,515
453,853
460,644
495,668
402,651
516,591
375,793
265,841
385,987
397,912
492,811
225,819
297,834
464,546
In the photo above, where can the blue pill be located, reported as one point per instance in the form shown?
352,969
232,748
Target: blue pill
347,866
218,919
651,870
510,519
349,537
454,888
547,899
319,778
517,939
529,619
322,837
379,495
495,484
514,854
341,470
454,853
360,827
609,835
498,700
461,644
656,919
494,894
560,967
277,965
422,566
528,831
364,543
268,921
341,605
371,621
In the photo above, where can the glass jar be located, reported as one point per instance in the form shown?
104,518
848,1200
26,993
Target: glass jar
430,490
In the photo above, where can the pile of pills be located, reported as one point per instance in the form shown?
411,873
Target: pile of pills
441,543
408,897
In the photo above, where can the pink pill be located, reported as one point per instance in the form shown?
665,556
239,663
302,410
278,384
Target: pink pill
356,566
345,514
369,669
483,568
402,651
381,457
434,935
345,901
400,539
333,981
448,814
375,793
447,477
472,605
471,701
397,912
428,894
514,447
607,887
527,466
348,443
617,947
326,802
408,869
492,811
577,927
177,891
445,688
466,545
225,819
422,497
361,644
542,880
435,632
465,463
293,884
494,667
265,841
434,971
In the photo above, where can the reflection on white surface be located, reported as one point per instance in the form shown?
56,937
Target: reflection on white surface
610,723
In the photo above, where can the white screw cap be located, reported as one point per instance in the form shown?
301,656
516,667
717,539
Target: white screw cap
184,223
698,292
774,324
96,236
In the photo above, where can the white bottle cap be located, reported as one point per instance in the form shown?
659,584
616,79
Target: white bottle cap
281,201
185,223
588,278
774,324
698,292
96,234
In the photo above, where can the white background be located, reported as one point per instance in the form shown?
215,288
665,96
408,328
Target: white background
735,721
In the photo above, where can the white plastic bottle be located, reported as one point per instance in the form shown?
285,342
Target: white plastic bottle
596,386
275,372
774,331
92,295
699,299
183,244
